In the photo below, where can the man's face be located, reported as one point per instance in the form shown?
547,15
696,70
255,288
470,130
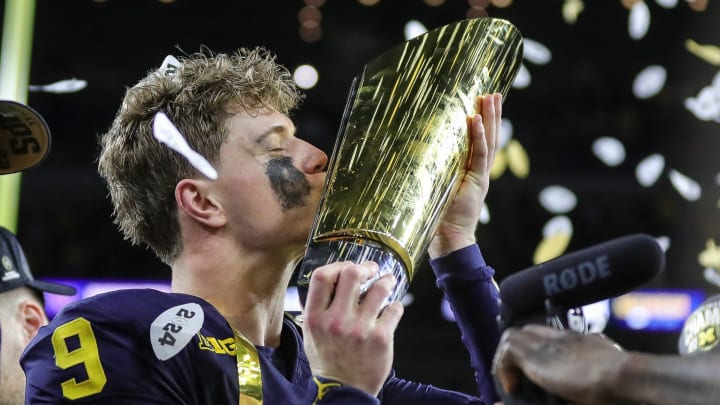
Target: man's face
12,378
269,181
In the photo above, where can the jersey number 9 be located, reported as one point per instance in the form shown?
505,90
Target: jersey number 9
86,354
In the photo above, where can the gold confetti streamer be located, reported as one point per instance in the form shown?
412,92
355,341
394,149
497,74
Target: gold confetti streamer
708,53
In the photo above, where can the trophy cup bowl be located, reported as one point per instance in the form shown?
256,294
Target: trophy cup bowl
402,147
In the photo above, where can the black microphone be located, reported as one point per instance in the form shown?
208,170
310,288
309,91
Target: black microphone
601,271
553,288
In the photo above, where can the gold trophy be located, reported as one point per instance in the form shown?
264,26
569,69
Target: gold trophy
403,147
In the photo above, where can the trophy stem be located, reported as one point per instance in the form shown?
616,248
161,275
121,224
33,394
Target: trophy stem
357,251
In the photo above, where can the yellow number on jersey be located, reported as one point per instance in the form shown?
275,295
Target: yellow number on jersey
86,354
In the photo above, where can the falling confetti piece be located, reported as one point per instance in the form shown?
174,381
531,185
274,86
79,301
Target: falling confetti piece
499,164
535,52
571,9
407,300
609,150
649,81
556,225
557,199
708,53
688,188
523,78
664,242
557,233
61,87
484,214
550,248
712,276
518,160
638,20
710,257
706,106
414,28
649,170
166,132
667,3
506,132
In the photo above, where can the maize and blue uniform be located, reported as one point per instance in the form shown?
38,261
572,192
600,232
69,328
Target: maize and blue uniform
150,347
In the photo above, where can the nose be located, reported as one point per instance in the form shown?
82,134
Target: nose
314,160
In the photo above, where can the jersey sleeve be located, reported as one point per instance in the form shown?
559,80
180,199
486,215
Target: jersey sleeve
467,283
328,392
399,391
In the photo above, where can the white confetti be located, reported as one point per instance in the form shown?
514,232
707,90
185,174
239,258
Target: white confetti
61,87
414,28
649,169
557,199
571,9
484,214
711,276
664,242
649,81
609,150
688,188
557,225
166,132
407,299
638,20
667,3
535,52
523,79
706,106
506,132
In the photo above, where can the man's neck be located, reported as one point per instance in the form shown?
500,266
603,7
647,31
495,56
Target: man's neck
247,289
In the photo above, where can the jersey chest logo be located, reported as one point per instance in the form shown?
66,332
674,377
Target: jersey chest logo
172,330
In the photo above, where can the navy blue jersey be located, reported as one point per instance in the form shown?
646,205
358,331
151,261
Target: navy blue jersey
150,347
101,348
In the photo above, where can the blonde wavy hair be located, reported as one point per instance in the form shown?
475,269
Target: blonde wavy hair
207,89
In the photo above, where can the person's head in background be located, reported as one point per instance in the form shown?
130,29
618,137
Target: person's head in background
22,313
24,143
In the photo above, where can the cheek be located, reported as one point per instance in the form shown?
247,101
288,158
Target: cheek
288,184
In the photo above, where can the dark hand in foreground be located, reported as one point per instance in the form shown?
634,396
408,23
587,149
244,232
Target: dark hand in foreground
579,368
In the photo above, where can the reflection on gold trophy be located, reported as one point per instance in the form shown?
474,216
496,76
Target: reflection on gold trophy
403,146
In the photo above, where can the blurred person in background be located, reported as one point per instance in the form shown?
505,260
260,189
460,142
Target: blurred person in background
22,314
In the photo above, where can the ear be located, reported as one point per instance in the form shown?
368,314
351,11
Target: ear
32,317
195,200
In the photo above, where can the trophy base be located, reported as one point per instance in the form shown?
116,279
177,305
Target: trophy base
357,251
